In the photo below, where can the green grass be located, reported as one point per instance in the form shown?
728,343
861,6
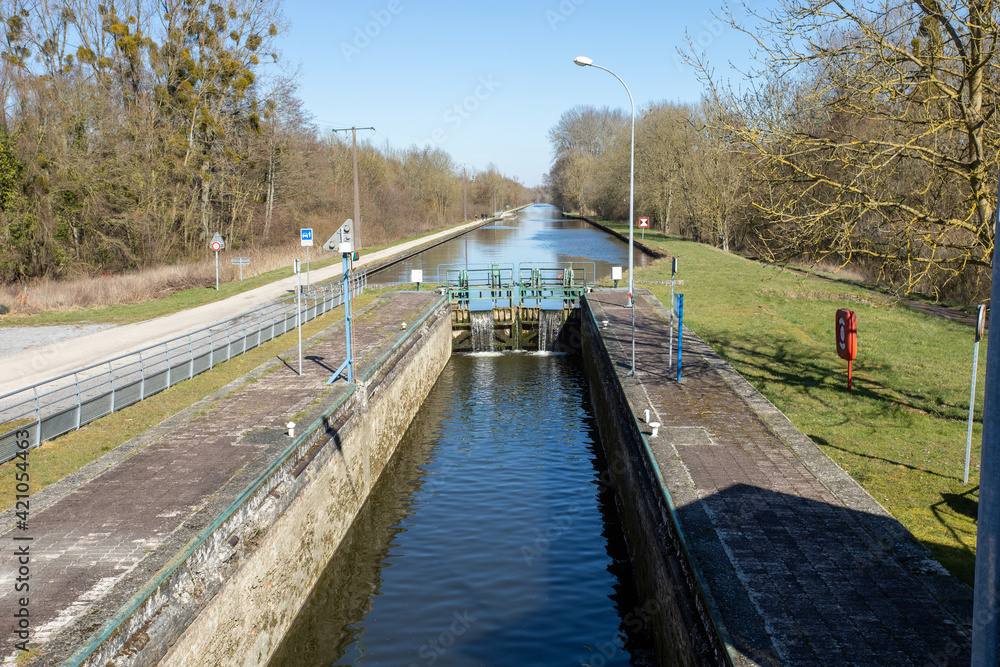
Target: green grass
68,453
900,433
184,299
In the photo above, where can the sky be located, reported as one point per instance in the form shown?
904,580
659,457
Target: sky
485,81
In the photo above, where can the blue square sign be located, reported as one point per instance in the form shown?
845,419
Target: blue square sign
307,236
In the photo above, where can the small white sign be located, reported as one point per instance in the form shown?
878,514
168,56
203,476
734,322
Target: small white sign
416,276
306,235
345,248
616,273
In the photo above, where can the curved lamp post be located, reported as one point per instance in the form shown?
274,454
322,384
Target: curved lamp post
584,61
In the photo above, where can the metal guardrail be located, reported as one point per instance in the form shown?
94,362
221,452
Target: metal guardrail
503,285
65,403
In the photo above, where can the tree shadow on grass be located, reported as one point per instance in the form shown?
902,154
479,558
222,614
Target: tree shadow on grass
826,443
775,361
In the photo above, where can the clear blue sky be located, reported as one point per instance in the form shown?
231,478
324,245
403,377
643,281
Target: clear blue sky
485,81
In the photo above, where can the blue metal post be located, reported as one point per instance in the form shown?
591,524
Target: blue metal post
349,362
680,332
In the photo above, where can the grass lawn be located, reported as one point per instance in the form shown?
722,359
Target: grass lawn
901,433
68,453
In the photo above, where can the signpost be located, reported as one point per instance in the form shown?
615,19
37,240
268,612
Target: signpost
217,244
980,328
417,276
673,272
847,340
343,242
644,225
306,236
241,261
298,307
616,274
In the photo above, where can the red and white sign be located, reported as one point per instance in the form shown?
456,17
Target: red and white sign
644,223
216,246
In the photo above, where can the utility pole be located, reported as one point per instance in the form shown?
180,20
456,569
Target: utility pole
357,197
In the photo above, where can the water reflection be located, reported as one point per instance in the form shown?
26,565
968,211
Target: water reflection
538,235
490,540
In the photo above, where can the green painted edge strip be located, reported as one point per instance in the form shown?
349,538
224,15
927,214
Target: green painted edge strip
713,610
140,597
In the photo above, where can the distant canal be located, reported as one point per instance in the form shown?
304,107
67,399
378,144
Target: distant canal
540,235
492,538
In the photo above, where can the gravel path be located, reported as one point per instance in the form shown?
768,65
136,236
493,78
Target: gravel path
14,340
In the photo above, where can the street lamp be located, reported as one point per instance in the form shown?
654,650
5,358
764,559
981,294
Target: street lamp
584,61
465,211
465,181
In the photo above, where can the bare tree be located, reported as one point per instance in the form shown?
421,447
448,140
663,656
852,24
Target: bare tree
871,132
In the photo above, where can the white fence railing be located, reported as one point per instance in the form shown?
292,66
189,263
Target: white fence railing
65,403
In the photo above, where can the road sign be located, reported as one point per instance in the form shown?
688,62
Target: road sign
306,235
643,223
217,244
343,235
241,261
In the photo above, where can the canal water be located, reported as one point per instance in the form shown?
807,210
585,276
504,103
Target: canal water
493,537
540,235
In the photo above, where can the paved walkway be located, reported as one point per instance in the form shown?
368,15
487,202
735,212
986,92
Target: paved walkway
98,536
803,567
42,363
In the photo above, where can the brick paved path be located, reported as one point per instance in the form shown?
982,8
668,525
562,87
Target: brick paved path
97,543
803,567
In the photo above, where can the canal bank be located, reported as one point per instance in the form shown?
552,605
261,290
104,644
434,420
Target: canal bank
170,532
767,552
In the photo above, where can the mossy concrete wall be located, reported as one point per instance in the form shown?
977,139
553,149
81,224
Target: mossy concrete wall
245,622
229,599
680,620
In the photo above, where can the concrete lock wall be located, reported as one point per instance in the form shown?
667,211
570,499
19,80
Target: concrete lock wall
246,621
680,620
231,601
